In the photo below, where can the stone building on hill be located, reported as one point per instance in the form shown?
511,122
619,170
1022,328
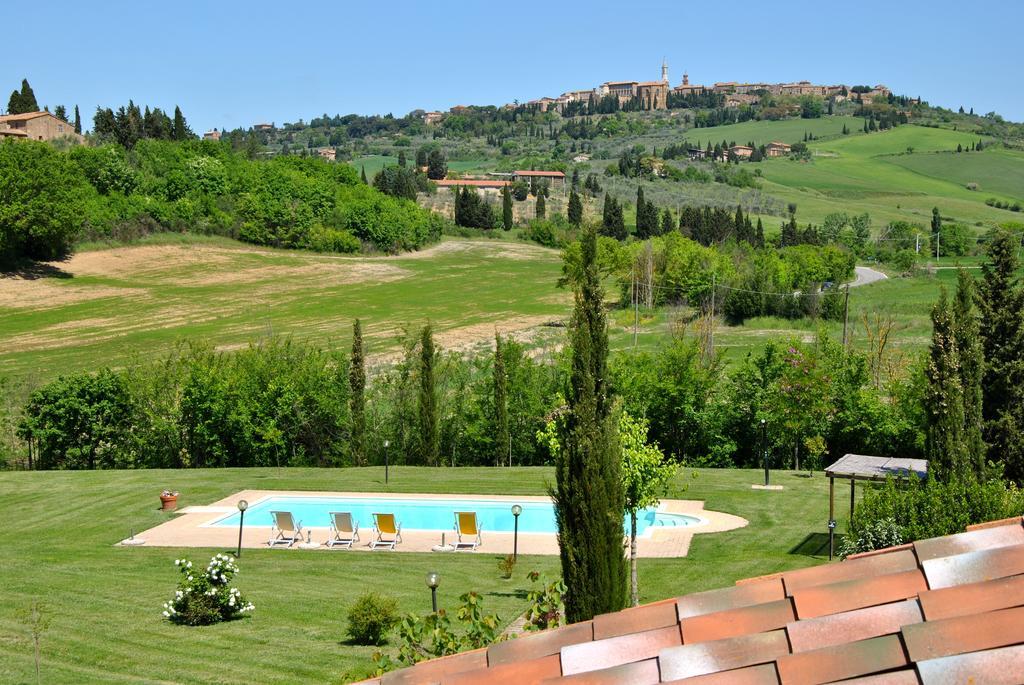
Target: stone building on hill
37,126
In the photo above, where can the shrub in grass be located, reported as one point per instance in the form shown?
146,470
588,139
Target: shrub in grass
206,597
873,535
371,618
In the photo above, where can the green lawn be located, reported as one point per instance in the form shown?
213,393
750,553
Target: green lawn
998,172
374,163
786,131
101,604
104,307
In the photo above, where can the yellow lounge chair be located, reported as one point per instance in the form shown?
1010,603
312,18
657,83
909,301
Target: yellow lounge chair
286,530
389,533
468,531
344,531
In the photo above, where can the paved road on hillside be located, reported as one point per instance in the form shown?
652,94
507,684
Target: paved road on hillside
866,275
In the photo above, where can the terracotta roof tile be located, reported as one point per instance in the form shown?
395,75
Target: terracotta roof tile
973,598
514,673
949,636
730,598
762,674
876,552
995,524
992,667
636,619
972,567
857,594
533,645
735,622
849,626
429,672
637,673
703,658
938,612
906,676
840,662
971,541
851,569
613,651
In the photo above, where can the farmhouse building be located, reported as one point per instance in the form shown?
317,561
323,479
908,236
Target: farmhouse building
742,151
263,127
327,153
555,178
486,185
212,135
777,149
431,118
37,126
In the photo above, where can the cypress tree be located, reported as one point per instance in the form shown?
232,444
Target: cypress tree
667,224
589,498
14,103
357,395
28,98
759,236
362,175
936,225
401,159
506,209
641,214
501,431
972,366
575,208
429,437
541,208
1002,333
179,129
78,121
944,400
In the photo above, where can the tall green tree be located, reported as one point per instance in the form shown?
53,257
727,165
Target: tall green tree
541,207
180,129
437,165
61,112
78,121
429,434
944,398
502,437
668,224
575,208
645,478
967,335
588,495
24,101
401,158
357,395
362,175
1001,304
506,208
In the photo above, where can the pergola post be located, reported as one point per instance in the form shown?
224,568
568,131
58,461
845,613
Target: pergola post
831,514
853,494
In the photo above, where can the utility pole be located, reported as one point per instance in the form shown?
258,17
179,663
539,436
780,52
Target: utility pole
711,321
917,243
937,236
846,314
636,307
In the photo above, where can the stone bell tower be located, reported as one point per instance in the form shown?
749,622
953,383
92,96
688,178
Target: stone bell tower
664,70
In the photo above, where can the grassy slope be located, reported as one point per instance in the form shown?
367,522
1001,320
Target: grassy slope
997,172
464,283
102,603
786,131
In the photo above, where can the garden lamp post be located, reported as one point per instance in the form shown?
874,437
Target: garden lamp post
386,444
242,506
433,580
764,449
831,538
516,511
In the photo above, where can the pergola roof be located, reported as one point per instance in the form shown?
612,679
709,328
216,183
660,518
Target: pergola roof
863,467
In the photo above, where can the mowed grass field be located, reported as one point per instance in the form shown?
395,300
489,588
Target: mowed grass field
107,307
100,604
875,173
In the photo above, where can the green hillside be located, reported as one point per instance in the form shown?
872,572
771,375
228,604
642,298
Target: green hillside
996,171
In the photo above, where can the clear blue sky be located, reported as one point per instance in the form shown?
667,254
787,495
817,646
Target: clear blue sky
229,63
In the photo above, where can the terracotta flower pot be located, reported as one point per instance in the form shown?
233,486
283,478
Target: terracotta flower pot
168,502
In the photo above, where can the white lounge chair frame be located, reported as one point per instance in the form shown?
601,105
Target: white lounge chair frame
343,535
380,541
471,542
282,533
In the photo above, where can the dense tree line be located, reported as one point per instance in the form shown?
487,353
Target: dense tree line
128,125
199,186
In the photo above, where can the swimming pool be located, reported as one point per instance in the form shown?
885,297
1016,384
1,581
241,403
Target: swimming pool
428,514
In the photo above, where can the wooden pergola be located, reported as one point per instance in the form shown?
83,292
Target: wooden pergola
855,467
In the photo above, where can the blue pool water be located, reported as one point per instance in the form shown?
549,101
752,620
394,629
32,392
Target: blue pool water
428,514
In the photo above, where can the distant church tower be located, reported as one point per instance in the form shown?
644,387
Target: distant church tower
686,79
664,70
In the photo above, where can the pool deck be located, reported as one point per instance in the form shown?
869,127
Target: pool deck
188,527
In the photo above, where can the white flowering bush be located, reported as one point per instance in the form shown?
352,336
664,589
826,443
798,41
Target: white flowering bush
205,597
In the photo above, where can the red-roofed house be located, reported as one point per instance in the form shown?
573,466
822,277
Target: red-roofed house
481,184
